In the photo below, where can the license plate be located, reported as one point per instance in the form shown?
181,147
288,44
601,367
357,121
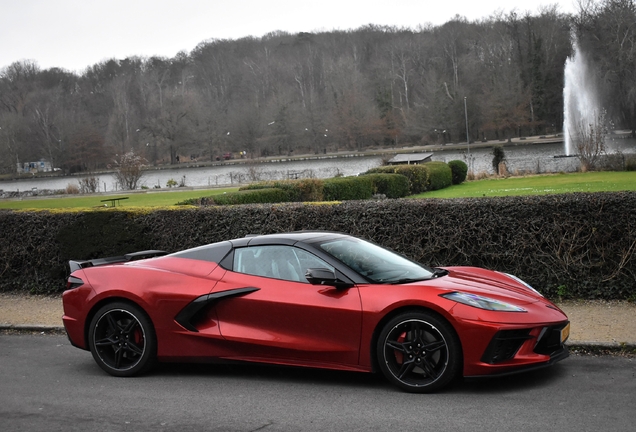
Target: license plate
565,333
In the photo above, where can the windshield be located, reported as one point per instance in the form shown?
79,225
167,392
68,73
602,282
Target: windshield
374,262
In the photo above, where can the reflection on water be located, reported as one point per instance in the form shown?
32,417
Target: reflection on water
529,158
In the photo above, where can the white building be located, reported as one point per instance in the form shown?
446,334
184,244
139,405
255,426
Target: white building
34,167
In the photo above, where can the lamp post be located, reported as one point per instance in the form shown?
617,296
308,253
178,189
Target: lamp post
467,136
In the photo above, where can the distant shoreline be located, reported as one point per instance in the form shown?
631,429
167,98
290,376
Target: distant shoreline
522,141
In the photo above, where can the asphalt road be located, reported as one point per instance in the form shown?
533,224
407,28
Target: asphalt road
47,385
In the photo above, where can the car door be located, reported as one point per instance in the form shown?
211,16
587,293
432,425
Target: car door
285,317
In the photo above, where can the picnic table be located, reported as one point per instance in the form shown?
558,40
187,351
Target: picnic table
114,201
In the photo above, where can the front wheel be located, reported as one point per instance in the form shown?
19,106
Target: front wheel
122,339
419,352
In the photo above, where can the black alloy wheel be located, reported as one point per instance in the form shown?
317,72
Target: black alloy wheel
419,352
122,339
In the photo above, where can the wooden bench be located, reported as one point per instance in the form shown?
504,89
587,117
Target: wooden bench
114,201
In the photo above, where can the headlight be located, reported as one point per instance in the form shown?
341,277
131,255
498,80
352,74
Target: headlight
481,302
527,285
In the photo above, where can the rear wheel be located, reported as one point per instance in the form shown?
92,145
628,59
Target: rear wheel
122,339
419,352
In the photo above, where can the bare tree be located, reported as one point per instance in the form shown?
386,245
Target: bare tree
9,133
589,141
129,170
121,118
89,184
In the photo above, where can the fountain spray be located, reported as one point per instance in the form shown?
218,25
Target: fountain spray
580,99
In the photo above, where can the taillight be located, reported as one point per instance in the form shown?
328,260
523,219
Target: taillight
73,282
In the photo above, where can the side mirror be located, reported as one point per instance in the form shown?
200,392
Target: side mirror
323,276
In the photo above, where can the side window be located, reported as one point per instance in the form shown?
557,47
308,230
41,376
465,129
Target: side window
252,261
307,260
279,262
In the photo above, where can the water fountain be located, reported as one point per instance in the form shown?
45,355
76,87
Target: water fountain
580,100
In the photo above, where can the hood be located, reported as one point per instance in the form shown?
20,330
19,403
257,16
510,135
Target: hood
488,283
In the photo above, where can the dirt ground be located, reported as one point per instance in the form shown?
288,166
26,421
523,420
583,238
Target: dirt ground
601,321
31,310
592,321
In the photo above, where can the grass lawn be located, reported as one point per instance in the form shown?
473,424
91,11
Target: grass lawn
606,181
532,185
137,199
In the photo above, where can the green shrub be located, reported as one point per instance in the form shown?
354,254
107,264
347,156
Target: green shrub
348,188
254,196
416,175
440,175
459,170
311,189
391,185
299,190
630,163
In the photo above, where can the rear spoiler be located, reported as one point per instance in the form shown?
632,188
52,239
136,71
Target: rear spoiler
78,264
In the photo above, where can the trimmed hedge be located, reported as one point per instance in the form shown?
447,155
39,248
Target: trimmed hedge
417,175
576,245
459,170
307,190
422,178
339,188
271,195
440,175
348,188
391,185
299,190
258,196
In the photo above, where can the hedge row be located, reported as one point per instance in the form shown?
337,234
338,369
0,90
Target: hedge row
427,176
390,185
269,195
394,181
334,189
299,190
578,245
417,175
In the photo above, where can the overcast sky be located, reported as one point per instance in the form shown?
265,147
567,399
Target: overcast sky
74,34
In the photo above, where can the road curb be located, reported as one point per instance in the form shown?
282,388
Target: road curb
602,344
32,328
594,347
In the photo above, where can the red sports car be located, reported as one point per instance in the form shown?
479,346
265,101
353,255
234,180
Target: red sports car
314,299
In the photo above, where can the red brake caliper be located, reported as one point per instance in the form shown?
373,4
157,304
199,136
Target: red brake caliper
399,357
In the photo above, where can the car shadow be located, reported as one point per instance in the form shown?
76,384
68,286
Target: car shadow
272,373
329,378
539,378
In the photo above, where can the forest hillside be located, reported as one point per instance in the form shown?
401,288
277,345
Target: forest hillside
319,92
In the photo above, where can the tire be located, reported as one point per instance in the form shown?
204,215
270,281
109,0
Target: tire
122,339
419,352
